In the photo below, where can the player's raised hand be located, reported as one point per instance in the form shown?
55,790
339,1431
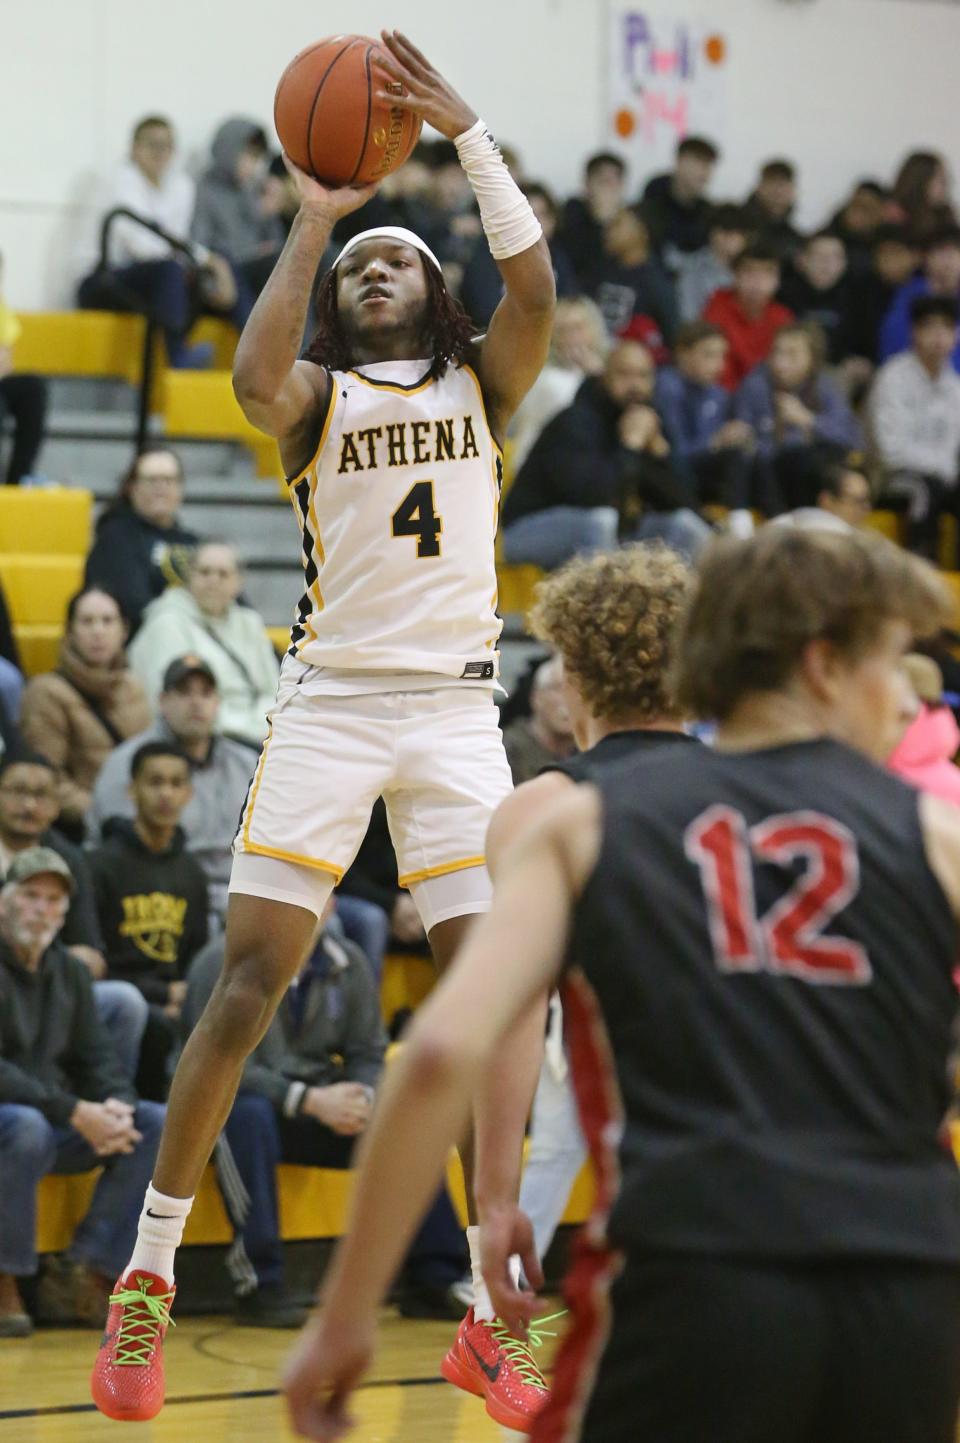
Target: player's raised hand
424,89
330,1358
334,200
504,1232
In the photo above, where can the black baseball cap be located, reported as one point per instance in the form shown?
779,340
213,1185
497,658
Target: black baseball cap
184,667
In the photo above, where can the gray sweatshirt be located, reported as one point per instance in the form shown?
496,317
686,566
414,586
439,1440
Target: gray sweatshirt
915,418
228,218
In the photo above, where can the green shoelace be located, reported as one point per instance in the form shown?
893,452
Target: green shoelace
145,1311
518,1351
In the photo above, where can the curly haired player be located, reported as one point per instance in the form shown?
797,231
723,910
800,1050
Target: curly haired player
612,620
388,433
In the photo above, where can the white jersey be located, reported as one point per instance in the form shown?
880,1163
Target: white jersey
398,510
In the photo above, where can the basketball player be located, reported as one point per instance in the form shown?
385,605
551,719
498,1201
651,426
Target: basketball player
388,432
757,943
610,618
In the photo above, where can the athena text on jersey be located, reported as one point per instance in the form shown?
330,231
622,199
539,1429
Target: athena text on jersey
398,511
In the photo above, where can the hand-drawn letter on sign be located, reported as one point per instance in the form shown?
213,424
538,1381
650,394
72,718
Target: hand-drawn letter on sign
666,78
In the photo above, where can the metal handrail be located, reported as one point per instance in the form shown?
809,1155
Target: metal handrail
152,328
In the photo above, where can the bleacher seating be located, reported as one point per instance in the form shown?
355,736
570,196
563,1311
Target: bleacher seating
313,1204
201,404
81,343
37,589
44,539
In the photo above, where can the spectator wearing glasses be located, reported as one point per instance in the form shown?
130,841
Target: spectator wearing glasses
29,806
141,545
205,619
841,501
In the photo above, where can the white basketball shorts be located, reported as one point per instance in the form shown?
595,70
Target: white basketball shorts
436,758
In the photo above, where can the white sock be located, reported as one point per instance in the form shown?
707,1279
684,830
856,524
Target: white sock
159,1232
483,1310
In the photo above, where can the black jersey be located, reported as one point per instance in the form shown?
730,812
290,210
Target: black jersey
612,750
771,957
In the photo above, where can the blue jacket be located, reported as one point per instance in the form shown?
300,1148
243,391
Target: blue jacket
691,414
895,330
835,424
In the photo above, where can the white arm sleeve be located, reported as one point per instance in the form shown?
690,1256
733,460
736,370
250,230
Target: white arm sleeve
508,221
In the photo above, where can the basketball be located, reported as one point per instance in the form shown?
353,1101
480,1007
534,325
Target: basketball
329,119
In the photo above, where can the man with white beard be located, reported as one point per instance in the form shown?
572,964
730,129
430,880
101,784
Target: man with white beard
65,1105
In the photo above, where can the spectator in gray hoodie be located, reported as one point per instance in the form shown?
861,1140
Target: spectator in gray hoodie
237,213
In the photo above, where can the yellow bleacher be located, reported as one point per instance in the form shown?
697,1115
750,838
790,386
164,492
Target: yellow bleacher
81,343
313,1204
201,405
37,586
44,539
103,344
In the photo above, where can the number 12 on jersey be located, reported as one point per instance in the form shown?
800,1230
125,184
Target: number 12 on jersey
789,938
416,516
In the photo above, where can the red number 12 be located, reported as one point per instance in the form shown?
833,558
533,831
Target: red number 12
790,937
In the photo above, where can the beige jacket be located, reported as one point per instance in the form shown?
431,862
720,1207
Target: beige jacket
56,721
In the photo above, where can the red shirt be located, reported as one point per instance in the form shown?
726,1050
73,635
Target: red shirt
749,338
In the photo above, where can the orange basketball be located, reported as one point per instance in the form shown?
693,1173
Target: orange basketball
329,119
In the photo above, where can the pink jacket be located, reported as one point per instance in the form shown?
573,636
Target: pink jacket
924,756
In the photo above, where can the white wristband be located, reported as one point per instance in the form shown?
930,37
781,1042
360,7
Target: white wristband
508,220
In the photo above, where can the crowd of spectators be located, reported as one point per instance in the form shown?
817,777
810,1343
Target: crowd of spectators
631,265
709,363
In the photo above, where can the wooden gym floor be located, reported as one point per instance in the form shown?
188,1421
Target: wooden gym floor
221,1388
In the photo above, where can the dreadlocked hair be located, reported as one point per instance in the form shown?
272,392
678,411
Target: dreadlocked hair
448,332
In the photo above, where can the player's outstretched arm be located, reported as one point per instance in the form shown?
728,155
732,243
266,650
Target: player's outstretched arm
278,393
509,958
505,1092
518,337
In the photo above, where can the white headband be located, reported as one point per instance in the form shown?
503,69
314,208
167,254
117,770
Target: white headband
389,232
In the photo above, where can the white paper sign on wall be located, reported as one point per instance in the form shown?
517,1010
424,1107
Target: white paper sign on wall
666,78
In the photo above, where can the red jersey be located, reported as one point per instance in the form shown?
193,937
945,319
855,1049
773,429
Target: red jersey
749,338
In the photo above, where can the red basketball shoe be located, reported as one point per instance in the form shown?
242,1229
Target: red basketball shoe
487,1360
128,1381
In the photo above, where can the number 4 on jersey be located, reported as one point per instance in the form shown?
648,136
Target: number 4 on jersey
415,516
790,937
